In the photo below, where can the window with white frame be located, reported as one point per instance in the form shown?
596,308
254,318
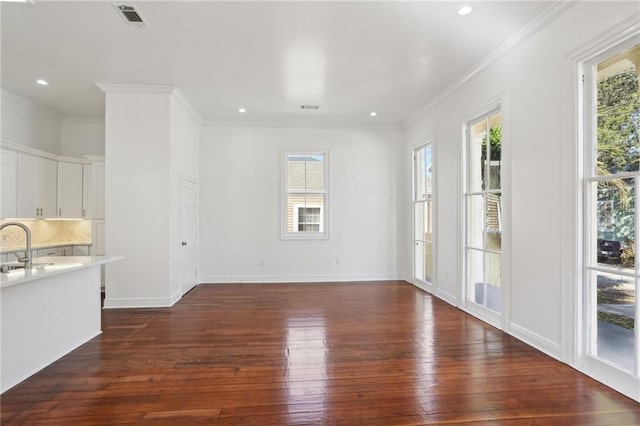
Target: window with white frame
423,213
483,215
611,270
305,195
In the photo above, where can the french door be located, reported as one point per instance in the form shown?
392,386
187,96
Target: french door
423,213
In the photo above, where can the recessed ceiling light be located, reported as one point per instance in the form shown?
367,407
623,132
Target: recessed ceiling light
465,10
42,82
242,110
373,113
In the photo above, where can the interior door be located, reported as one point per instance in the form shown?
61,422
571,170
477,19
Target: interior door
188,234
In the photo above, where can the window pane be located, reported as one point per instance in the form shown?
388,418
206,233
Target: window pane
475,276
305,172
492,280
305,212
315,172
615,222
428,262
295,172
615,337
494,151
493,222
420,171
428,220
419,221
419,259
428,172
618,113
477,154
476,227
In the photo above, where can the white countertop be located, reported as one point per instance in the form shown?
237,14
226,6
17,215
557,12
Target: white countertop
6,249
48,266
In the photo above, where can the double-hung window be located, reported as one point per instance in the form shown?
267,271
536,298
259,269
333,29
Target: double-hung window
483,201
611,181
305,195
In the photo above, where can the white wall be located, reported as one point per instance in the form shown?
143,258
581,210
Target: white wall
28,124
184,154
152,139
532,79
137,197
240,206
82,136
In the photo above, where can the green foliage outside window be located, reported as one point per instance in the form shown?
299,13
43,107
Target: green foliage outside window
618,150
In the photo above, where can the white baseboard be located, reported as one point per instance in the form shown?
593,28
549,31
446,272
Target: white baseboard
447,297
177,295
422,286
542,344
257,279
148,302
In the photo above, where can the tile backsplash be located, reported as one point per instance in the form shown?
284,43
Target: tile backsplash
45,233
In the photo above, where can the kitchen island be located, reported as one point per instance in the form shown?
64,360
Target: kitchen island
46,312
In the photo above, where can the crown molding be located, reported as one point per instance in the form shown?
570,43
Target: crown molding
618,33
548,15
301,125
4,143
181,98
135,88
83,120
6,95
144,88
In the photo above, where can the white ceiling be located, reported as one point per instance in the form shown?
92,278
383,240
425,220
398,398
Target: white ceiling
349,58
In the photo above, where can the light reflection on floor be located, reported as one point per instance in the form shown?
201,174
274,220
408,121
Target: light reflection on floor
307,354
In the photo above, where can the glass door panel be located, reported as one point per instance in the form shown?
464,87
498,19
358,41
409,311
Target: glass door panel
423,214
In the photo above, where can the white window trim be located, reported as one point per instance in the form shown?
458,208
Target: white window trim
500,320
572,333
324,226
600,368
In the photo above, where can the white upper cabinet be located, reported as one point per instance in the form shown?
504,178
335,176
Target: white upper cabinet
40,185
70,190
9,183
93,190
37,187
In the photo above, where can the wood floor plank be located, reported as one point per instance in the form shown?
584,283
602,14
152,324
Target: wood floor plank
381,353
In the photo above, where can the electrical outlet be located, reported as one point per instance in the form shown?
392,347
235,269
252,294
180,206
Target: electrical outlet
261,263
338,261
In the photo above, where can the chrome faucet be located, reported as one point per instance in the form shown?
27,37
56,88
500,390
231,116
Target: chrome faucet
26,259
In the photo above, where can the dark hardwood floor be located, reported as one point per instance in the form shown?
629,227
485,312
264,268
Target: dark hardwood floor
319,354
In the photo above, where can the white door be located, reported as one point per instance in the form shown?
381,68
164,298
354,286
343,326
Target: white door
188,234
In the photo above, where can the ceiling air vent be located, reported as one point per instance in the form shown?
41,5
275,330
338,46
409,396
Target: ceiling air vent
309,106
131,15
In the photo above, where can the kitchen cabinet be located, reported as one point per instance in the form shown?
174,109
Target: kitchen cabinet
37,187
55,251
9,184
79,251
93,190
70,190
97,231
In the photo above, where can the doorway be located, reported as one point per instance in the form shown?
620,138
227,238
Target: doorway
188,233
